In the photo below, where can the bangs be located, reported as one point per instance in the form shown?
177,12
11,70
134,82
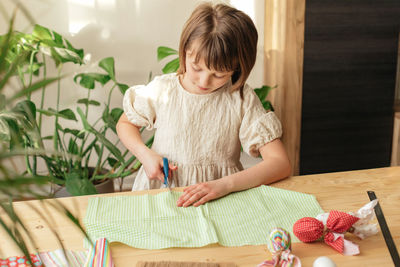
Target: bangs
217,54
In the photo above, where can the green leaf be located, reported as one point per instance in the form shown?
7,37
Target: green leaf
111,118
122,87
15,134
85,123
107,64
113,162
163,52
87,80
113,149
78,186
97,149
42,33
73,147
3,101
52,43
58,39
67,55
79,134
116,113
36,86
171,66
267,105
67,114
78,51
11,69
263,91
88,102
5,46
28,108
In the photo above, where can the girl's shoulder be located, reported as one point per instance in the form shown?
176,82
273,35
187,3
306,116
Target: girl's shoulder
169,79
159,85
248,95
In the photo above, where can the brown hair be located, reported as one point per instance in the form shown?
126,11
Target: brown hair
227,41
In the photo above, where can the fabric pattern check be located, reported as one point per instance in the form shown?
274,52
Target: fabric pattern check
155,222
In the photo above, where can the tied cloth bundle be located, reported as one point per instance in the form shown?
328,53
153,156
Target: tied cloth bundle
333,225
279,244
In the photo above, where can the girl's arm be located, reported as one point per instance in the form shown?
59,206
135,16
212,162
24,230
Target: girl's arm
275,166
129,134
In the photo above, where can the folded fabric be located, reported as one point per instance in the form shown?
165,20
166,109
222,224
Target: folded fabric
66,258
155,222
100,255
57,258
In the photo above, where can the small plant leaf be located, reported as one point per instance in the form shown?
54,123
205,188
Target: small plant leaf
73,147
107,64
67,114
171,66
87,80
85,123
113,162
88,102
77,133
116,113
163,52
28,108
122,87
41,33
78,186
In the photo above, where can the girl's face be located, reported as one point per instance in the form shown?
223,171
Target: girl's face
198,79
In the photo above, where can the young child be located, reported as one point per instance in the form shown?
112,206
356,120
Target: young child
204,113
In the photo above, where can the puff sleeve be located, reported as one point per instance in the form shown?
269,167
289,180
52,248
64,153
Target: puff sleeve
139,105
258,126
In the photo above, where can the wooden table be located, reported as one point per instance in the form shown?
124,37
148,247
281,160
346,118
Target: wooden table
345,191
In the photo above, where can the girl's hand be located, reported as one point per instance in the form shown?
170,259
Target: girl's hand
202,193
153,166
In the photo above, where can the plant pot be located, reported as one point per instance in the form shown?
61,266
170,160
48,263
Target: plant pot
106,186
102,186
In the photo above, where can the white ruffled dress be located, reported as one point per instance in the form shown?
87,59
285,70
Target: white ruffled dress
201,134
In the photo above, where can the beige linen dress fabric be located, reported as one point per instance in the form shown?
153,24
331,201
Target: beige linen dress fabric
201,134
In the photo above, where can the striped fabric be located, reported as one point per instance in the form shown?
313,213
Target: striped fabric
100,255
57,258
155,222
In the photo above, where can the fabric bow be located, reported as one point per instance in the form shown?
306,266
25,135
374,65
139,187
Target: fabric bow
310,229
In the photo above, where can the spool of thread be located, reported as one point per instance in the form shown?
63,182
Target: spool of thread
279,240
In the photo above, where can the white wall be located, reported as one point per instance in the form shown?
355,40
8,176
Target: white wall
128,30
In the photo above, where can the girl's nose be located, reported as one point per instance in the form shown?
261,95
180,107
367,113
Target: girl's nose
204,81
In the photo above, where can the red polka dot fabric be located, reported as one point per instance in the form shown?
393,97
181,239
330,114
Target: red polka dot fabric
21,262
340,222
308,229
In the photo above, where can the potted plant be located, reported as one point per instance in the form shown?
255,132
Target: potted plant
13,119
72,148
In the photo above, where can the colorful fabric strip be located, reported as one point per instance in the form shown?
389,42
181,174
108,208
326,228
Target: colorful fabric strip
100,255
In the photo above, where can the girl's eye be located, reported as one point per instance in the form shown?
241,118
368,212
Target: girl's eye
219,76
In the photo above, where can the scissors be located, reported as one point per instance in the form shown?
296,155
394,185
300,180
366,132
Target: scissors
166,173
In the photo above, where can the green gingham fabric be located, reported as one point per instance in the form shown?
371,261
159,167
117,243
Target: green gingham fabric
155,222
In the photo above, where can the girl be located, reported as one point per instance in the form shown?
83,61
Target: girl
204,113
